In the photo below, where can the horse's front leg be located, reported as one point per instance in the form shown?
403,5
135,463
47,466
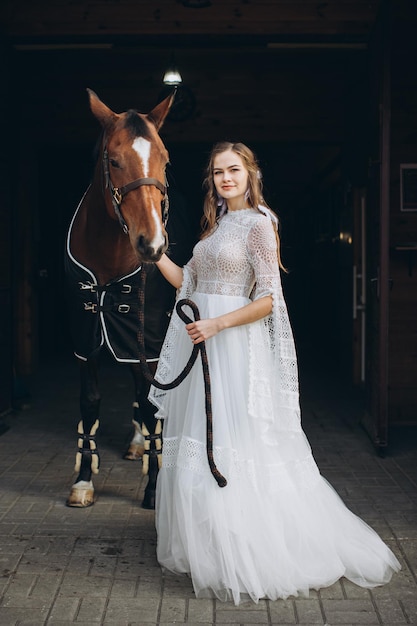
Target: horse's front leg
136,446
151,429
87,459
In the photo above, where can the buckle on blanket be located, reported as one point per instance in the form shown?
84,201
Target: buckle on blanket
123,308
88,285
90,306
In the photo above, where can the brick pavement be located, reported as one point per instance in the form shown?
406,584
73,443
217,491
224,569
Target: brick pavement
63,566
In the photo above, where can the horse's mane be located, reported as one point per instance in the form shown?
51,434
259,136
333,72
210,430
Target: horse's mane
136,124
97,147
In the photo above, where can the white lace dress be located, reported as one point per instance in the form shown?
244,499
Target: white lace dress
277,528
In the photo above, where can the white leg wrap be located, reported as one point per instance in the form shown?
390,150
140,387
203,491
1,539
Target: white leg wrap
147,446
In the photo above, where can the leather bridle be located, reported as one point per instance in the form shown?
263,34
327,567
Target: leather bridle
118,193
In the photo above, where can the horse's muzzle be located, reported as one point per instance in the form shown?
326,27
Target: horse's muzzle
147,251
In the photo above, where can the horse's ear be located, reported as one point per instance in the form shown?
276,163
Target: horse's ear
158,114
101,111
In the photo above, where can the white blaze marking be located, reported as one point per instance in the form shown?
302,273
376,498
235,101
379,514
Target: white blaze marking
143,148
159,238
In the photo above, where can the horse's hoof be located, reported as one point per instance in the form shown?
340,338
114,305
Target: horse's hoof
134,452
149,501
81,497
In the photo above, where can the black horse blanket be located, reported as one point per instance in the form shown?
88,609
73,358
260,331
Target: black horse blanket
107,315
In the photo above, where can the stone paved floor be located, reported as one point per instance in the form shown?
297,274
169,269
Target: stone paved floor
62,566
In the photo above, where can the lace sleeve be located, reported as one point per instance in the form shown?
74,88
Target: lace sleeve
190,277
262,250
273,388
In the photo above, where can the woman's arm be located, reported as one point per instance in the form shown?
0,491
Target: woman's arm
171,271
204,329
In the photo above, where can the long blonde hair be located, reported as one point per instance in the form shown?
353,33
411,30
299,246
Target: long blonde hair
254,193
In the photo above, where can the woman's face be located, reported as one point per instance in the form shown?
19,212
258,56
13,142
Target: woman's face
230,177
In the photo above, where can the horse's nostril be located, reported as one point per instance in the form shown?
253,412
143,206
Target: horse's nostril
144,248
141,243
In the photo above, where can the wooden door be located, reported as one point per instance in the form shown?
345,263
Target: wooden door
377,228
359,287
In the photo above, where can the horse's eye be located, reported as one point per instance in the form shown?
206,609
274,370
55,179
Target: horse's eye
114,163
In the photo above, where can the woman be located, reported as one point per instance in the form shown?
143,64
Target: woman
277,528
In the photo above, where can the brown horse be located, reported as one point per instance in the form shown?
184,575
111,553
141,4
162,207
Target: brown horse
119,224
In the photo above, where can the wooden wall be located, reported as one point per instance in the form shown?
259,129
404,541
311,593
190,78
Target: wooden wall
403,263
171,17
265,71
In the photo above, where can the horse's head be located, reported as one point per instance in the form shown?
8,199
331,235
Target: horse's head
134,161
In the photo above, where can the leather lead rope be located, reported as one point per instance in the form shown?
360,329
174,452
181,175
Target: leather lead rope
200,347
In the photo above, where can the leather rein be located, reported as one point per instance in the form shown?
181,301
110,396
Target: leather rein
197,348
118,193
